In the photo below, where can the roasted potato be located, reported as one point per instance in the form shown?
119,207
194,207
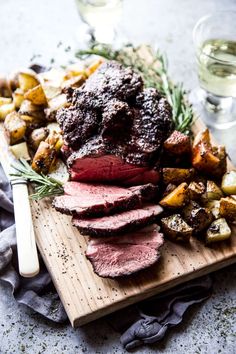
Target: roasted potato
53,106
206,158
176,229
169,188
36,136
219,230
177,175
15,127
75,69
27,80
177,198
214,207
20,151
228,208
196,190
213,192
177,144
51,91
75,81
197,217
5,89
46,154
5,100
33,115
229,183
36,95
5,109
18,97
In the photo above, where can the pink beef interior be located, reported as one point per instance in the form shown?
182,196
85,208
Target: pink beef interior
118,223
129,254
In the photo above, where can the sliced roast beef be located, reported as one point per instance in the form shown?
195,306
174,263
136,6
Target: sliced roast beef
85,199
96,165
117,223
115,127
118,256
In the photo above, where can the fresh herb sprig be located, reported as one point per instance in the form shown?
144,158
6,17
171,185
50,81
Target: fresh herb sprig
153,67
44,186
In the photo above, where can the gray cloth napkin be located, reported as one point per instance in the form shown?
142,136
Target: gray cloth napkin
144,323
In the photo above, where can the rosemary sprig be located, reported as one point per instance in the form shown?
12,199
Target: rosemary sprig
44,186
153,68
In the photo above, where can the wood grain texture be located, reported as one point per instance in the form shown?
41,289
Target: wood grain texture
86,296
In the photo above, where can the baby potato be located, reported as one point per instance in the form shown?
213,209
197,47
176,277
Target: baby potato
5,109
219,230
15,127
229,183
36,96
27,80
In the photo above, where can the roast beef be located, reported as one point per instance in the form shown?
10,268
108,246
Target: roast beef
118,256
115,128
90,199
118,223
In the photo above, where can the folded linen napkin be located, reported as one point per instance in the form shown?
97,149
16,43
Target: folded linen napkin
144,323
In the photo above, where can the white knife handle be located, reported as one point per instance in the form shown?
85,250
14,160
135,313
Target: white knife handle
26,245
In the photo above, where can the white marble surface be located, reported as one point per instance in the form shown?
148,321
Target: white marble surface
31,31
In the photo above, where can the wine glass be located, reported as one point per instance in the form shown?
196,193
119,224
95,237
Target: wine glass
102,17
214,38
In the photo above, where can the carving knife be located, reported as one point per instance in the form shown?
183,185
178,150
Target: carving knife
26,246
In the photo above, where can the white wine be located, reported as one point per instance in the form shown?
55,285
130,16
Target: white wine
217,67
102,15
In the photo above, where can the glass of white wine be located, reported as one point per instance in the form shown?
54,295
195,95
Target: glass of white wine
215,42
102,16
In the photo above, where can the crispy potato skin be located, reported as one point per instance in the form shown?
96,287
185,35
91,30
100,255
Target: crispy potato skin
177,175
197,217
177,198
44,158
213,192
15,127
206,158
176,229
228,208
36,136
177,144
196,190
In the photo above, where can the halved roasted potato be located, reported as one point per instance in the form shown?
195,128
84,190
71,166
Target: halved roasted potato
228,208
177,144
20,151
213,192
229,183
206,158
5,109
15,127
177,198
177,175
196,190
18,97
27,80
214,207
29,109
197,217
53,106
36,136
45,156
219,230
36,95
176,229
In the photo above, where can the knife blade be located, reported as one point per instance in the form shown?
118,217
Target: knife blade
26,246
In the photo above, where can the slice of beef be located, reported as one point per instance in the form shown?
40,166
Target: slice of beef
85,199
109,169
118,256
117,223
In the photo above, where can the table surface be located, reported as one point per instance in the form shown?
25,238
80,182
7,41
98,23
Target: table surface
47,31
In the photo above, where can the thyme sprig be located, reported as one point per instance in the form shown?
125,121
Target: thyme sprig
44,186
153,67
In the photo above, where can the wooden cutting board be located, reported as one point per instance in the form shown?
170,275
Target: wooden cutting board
86,296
